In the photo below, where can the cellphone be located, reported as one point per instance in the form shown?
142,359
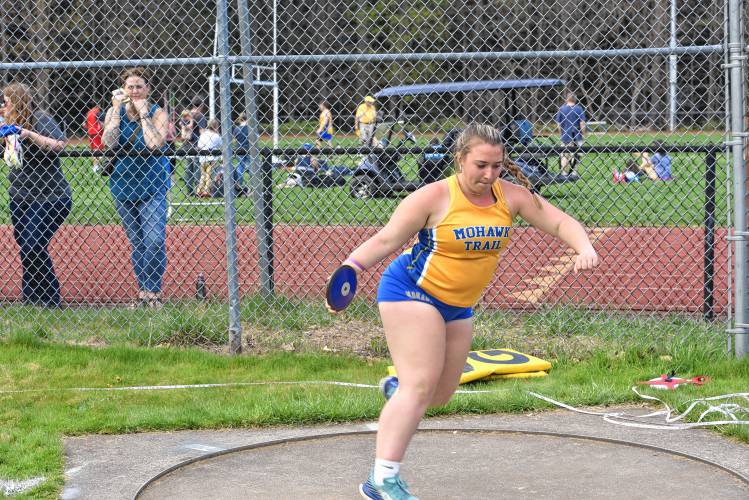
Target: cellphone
119,92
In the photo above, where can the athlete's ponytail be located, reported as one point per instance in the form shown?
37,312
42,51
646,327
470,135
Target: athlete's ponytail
486,134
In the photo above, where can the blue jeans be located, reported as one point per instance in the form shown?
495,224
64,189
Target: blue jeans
191,174
34,225
145,226
243,166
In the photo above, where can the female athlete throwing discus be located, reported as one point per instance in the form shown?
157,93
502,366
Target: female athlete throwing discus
426,295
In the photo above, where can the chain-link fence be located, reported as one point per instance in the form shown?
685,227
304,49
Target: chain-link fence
207,195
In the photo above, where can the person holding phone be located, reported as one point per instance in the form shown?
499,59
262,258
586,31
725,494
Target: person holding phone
139,184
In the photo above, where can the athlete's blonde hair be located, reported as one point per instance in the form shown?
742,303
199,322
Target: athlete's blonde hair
486,134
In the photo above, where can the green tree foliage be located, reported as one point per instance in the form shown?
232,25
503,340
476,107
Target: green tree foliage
629,91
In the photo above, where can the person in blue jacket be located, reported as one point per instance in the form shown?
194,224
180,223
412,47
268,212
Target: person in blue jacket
571,123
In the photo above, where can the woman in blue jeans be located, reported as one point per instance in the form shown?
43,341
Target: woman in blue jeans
40,197
139,184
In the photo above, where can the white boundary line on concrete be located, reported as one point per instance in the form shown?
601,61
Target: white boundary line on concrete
10,487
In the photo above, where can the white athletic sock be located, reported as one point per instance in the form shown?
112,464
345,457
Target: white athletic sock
384,469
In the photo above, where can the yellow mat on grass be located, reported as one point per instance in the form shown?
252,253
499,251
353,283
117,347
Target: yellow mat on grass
499,363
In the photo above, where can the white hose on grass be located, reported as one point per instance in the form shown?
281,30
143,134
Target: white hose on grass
730,410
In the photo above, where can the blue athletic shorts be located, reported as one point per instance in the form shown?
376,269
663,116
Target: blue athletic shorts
396,285
325,136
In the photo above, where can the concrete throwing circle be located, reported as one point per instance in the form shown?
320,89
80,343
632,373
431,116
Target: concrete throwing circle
452,464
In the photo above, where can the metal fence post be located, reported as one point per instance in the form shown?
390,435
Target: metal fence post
266,247
235,325
672,71
261,227
736,59
709,267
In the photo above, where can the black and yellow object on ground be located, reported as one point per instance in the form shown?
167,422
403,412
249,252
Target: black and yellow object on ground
493,364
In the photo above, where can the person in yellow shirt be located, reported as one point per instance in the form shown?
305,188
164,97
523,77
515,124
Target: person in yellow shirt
458,228
365,120
325,126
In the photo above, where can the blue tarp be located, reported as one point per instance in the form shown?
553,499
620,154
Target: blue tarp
434,88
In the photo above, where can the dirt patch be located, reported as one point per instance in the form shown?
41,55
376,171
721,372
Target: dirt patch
356,337
367,339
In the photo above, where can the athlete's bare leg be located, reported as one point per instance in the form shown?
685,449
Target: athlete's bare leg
416,337
458,343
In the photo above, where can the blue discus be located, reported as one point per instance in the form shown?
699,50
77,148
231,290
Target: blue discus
341,288
6,130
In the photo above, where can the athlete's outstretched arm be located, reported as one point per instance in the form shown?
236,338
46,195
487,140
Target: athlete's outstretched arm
409,217
553,221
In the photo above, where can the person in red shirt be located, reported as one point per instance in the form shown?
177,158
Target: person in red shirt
95,130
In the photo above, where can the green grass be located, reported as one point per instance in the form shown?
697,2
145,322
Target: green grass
551,331
296,132
34,422
594,200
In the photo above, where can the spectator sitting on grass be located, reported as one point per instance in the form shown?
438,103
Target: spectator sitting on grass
310,165
307,162
293,179
305,167
209,140
632,171
657,167
661,163
308,171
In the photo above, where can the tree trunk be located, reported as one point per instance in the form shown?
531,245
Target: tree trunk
41,34
658,85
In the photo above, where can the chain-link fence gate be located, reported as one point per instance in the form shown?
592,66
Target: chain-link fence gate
253,146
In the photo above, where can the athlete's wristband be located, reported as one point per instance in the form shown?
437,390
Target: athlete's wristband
357,264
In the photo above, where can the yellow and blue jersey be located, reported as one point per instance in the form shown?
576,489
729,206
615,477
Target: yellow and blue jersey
455,260
325,123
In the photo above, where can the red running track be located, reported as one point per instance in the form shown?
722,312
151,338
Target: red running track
659,269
